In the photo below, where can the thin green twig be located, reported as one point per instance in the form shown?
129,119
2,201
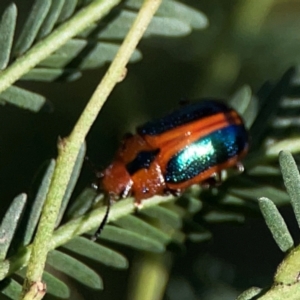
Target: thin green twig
69,147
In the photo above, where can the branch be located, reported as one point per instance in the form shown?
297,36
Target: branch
69,147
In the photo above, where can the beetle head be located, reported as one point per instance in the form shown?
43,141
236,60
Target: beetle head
116,181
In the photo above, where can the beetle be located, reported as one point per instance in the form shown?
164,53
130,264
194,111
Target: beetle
190,145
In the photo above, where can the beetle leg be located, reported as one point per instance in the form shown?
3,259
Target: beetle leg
217,178
240,167
137,205
175,193
167,192
213,181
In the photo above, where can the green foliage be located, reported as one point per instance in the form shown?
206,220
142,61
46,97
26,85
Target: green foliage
7,28
286,279
163,222
154,228
276,224
249,294
10,222
42,22
92,48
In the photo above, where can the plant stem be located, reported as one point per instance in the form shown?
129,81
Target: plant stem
69,147
153,270
85,17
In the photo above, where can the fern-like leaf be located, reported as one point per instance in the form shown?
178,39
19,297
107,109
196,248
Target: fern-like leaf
51,18
97,252
291,179
25,99
151,230
7,30
10,222
11,289
287,274
31,27
131,239
90,49
276,224
267,112
75,269
35,210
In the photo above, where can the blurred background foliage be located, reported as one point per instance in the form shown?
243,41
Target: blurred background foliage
246,42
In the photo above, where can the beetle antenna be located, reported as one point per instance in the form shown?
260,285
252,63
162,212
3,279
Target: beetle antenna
103,222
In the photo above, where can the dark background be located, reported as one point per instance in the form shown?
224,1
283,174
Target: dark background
247,42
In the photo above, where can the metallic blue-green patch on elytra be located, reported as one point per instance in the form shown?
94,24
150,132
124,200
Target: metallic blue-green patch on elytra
209,151
185,114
